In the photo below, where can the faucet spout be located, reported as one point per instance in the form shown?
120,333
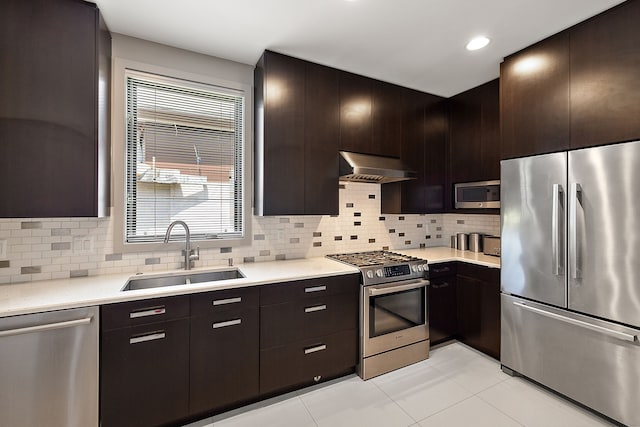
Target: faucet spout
188,252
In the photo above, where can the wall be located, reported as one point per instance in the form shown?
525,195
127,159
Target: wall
41,249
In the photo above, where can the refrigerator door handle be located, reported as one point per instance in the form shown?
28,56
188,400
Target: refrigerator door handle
574,249
556,232
606,331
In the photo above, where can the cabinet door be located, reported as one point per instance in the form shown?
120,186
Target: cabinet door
224,359
435,160
413,152
534,99
386,112
442,309
48,108
279,163
355,113
465,136
478,298
605,77
144,377
321,143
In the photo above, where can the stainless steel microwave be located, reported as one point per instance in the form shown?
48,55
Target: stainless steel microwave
477,195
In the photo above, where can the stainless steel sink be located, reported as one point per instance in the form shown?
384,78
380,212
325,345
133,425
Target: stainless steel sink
181,279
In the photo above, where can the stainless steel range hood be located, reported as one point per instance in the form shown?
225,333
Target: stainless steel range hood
373,169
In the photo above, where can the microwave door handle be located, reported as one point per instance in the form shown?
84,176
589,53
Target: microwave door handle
557,213
375,291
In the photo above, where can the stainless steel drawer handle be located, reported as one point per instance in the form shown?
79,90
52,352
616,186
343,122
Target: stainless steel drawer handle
441,285
315,308
150,337
227,323
315,349
153,311
227,301
47,327
610,332
316,289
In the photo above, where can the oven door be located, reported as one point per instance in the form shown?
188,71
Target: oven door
394,315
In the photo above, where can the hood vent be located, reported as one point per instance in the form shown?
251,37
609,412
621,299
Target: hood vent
373,169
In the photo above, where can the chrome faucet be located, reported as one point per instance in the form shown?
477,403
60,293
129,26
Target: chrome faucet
189,254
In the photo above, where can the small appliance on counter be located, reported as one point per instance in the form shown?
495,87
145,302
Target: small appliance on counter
463,241
491,245
475,242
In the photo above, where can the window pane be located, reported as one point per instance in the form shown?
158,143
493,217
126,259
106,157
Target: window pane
184,159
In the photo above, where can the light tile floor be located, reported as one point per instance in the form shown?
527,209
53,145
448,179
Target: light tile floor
456,386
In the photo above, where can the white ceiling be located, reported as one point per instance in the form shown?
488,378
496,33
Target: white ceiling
413,43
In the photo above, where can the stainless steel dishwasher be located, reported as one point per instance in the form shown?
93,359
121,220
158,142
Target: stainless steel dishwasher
49,369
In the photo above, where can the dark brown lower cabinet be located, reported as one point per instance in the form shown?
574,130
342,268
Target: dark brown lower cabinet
224,350
308,334
441,300
308,361
478,307
145,374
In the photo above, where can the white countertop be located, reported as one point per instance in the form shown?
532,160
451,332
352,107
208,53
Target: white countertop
47,295
444,254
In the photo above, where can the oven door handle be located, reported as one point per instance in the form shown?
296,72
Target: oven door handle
390,289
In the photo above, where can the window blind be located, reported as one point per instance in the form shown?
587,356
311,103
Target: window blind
184,159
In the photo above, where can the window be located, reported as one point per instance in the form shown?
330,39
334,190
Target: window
184,159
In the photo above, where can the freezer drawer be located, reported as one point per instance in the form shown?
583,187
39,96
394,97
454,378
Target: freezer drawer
594,362
49,369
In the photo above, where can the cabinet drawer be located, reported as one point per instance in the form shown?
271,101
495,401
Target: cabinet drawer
143,311
292,321
441,269
310,288
224,360
218,301
145,374
308,361
478,272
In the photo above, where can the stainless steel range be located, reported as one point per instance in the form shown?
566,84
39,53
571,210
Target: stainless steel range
394,327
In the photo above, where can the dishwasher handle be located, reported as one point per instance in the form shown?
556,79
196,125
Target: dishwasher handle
46,327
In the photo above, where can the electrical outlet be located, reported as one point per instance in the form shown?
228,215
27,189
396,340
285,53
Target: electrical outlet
3,249
83,244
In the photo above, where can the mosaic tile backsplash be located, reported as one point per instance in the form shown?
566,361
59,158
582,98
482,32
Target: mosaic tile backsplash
42,249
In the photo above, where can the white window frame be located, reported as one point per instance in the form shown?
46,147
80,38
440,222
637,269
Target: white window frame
119,155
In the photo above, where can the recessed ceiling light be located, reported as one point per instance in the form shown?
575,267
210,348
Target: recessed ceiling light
478,43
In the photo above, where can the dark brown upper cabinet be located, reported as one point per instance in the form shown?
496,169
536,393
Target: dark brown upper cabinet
534,98
296,137
370,115
605,77
474,134
355,113
386,111
423,148
54,110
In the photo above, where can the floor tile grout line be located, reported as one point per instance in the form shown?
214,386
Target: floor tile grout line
308,411
394,402
498,409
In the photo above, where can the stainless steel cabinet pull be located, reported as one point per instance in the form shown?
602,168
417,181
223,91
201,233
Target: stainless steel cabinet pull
227,323
316,289
315,308
556,230
227,301
441,285
150,337
315,349
440,270
574,247
610,332
46,327
153,311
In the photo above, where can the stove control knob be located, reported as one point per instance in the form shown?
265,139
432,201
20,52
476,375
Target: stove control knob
425,267
379,273
414,268
370,274
420,268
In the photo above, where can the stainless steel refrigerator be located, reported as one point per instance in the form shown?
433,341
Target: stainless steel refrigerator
570,275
